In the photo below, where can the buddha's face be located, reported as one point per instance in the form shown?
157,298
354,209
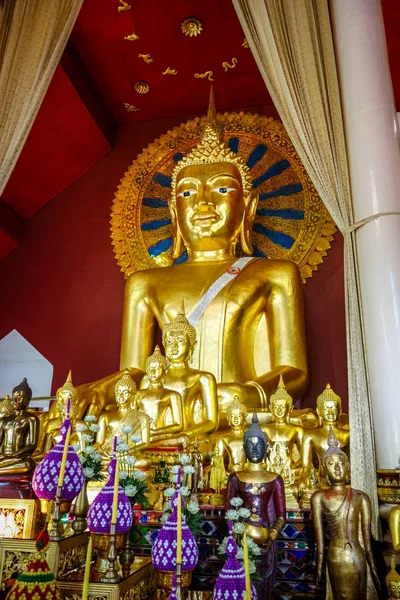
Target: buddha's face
124,395
394,589
19,400
336,466
62,403
280,408
209,205
236,417
155,371
255,449
329,411
177,345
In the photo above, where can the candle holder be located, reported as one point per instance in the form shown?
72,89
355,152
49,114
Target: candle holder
111,575
178,581
56,534
127,557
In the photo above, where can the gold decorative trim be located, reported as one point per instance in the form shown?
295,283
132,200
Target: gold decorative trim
191,26
312,233
24,514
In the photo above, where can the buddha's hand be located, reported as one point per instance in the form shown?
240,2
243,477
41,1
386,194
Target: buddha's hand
320,562
249,395
272,536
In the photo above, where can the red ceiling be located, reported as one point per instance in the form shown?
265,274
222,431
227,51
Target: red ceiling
86,97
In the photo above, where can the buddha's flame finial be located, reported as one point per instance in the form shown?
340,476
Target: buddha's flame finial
333,445
392,576
69,377
281,384
212,120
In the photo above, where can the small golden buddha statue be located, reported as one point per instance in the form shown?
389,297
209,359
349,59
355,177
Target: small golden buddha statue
6,407
231,445
315,441
19,434
163,406
50,427
112,422
195,388
213,205
217,472
263,494
350,559
281,430
393,582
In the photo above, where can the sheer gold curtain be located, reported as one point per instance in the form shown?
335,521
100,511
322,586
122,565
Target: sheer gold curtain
33,35
291,41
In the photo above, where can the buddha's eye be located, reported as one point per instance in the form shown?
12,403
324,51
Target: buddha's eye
224,190
187,193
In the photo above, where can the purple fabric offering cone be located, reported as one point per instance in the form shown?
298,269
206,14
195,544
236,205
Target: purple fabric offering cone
46,474
100,512
231,582
163,551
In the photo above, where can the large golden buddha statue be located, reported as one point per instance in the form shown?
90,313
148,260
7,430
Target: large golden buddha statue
248,312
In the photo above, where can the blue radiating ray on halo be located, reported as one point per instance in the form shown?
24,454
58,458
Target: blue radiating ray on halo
233,144
156,224
277,237
274,170
256,155
160,247
155,203
259,253
162,179
183,258
285,190
177,157
290,214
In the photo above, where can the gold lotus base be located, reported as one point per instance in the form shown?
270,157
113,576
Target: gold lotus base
164,579
217,500
101,543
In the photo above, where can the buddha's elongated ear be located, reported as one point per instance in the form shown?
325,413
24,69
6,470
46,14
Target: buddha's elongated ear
246,230
176,233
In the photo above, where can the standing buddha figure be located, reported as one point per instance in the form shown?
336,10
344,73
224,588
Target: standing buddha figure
254,305
19,433
163,406
281,431
315,442
231,444
197,464
263,494
50,433
127,413
349,562
217,472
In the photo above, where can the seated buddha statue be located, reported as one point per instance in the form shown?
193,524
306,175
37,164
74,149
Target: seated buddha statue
231,444
197,389
315,441
252,304
50,427
263,494
347,514
281,431
127,413
163,406
18,434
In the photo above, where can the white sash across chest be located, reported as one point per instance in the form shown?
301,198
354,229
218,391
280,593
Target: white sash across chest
202,304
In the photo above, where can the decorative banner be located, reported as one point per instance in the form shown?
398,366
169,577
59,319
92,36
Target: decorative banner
291,222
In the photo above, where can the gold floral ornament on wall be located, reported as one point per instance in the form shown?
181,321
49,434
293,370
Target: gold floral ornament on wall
228,66
141,87
124,6
130,107
207,75
132,37
146,57
291,221
192,26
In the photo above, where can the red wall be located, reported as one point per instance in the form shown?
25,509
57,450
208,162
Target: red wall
62,289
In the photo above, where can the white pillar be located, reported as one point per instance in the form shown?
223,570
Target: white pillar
371,129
